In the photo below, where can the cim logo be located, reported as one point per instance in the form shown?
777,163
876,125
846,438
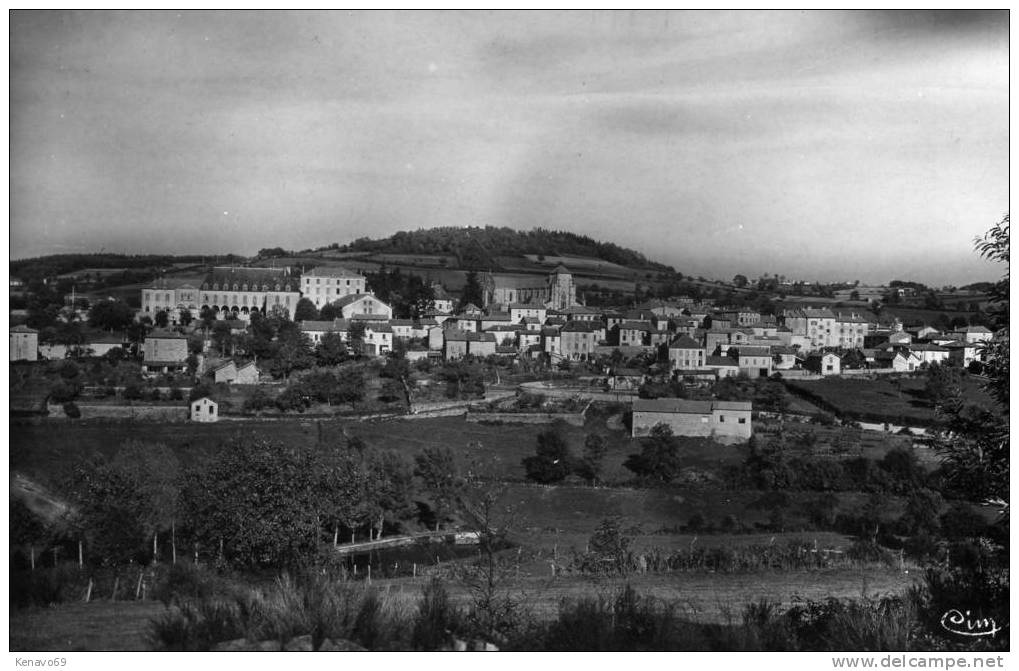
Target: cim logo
956,622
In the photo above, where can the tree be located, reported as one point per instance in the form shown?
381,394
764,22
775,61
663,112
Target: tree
740,281
659,456
440,475
111,509
976,455
590,464
185,317
162,319
350,386
329,312
293,352
332,350
110,315
552,460
305,310
355,336
256,500
472,291
942,383
389,489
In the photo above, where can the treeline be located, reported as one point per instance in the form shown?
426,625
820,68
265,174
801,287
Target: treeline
252,503
41,267
476,247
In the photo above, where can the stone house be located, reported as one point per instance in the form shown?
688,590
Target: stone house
755,361
724,366
634,333
316,329
726,421
578,339
685,353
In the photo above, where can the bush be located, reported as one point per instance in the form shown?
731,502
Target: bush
72,410
436,619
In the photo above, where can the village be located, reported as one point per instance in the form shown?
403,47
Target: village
187,333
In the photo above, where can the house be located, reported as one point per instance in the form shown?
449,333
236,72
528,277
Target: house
402,328
851,330
930,353
578,339
231,373
24,343
723,366
901,361
494,319
900,338
579,313
824,363
458,344
634,333
519,311
812,328
363,305
783,357
685,353
316,329
204,410
325,284
755,361
378,338
973,334
552,343
226,372
962,353
626,379
442,301
101,344
164,352
728,421
247,374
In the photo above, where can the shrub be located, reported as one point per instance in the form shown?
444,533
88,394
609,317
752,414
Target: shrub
72,410
436,619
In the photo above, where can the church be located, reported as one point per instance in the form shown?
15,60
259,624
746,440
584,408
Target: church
556,291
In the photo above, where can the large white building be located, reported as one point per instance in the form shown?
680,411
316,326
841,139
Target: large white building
232,293
325,284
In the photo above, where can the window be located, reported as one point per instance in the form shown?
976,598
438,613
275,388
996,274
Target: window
721,418
742,420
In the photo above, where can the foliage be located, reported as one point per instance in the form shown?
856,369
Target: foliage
472,292
552,460
659,458
305,310
112,509
439,473
331,350
590,464
257,501
110,315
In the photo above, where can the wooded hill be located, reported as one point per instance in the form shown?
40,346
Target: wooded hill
475,248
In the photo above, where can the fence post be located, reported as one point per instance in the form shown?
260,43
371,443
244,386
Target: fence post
32,557
88,592
415,574
80,556
369,573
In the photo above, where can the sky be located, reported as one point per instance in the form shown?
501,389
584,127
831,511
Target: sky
818,145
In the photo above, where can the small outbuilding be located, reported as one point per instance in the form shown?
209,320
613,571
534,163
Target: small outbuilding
204,409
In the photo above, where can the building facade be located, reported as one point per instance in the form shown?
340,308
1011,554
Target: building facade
727,421
325,284
557,291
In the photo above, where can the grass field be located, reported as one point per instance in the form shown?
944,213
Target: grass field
124,625
897,401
